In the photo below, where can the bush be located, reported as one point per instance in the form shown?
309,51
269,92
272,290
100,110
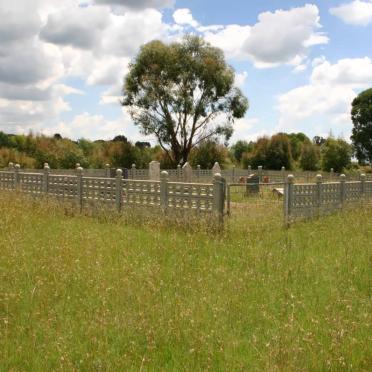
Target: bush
336,154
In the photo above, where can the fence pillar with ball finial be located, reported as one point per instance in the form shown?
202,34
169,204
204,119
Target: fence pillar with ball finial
164,177
46,171
119,190
288,198
79,185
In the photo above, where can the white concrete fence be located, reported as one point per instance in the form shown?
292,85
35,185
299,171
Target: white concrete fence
304,200
120,193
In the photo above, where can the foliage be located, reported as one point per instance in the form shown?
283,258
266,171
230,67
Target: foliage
239,148
297,140
336,154
183,93
310,156
271,153
206,154
361,115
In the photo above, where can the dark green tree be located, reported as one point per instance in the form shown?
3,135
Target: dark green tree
361,115
183,94
336,154
310,156
239,148
207,153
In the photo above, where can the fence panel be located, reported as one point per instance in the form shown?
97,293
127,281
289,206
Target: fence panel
102,190
141,192
63,186
31,183
7,180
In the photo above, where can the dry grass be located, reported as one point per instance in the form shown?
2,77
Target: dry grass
85,293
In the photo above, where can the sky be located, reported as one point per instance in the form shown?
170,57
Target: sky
300,63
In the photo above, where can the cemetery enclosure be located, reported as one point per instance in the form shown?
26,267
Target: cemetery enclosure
119,192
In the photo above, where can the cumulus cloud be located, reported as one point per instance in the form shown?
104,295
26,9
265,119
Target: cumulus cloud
66,27
279,37
328,95
184,17
356,12
138,4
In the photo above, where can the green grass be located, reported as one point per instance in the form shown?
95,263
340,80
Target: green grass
87,293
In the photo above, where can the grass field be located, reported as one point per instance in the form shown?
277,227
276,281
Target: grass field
87,293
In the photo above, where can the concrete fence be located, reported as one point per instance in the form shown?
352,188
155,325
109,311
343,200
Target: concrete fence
119,192
314,199
186,173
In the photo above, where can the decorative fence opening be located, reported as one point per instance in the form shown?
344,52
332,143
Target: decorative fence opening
120,193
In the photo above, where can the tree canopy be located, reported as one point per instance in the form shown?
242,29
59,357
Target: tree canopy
361,115
183,93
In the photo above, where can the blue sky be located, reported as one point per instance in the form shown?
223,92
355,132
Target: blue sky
300,63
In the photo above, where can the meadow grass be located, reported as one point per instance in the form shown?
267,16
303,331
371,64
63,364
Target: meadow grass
86,293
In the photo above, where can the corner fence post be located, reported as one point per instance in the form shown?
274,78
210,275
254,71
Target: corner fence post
164,190
46,178
79,176
17,182
119,189
342,190
319,180
218,196
288,199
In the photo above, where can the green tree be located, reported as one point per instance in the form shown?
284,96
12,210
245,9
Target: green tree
297,140
207,153
336,154
183,93
310,156
239,148
361,115
278,153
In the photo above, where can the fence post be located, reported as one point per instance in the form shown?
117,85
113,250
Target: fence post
218,196
288,198
233,174
332,174
342,189
319,180
164,190
133,170
179,170
46,178
16,177
249,170
11,166
198,172
362,186
119,189
216,168
283,173
107,170
79,176
259,170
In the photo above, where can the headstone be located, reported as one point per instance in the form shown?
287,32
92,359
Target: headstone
252,184
216,168
187,172
154,171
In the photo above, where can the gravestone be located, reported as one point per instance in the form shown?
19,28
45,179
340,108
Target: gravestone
154,170
252,184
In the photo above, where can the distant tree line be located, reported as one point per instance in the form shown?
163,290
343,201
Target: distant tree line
294,151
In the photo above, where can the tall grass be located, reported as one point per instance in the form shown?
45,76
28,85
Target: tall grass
82,293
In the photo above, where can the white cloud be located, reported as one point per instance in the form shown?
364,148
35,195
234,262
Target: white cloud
278,37
184,17
95,127
356,12
240,79
327,97
138,4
